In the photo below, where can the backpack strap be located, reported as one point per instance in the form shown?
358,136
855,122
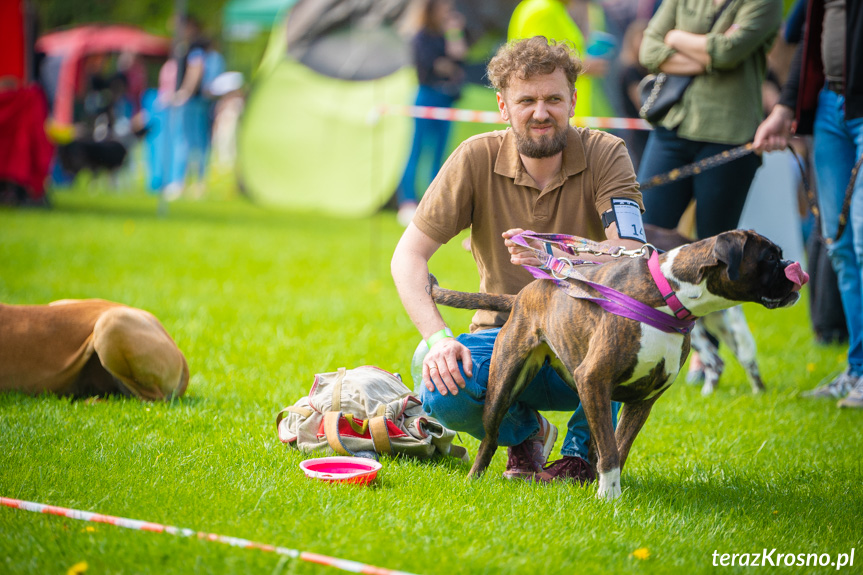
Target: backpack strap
380,435
459,452
337,390
331,430
303,411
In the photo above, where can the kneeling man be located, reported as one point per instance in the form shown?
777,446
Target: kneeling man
540,174
86,348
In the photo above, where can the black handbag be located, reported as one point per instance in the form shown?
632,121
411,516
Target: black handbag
659,92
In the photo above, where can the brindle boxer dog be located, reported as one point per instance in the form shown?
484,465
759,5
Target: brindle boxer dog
605,357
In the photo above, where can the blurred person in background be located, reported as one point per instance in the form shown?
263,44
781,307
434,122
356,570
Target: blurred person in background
824,96
630,75
720,109
438,50
180,93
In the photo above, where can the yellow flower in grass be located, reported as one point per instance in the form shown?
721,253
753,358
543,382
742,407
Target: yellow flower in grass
78,568
641,553
810,367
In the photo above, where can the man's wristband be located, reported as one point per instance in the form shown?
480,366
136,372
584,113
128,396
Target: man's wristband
439,335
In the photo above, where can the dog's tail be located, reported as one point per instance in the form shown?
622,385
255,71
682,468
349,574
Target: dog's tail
464,300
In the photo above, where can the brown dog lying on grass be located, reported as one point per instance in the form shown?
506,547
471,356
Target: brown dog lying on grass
84,348
605,357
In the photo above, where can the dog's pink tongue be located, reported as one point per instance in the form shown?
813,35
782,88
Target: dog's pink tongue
797,276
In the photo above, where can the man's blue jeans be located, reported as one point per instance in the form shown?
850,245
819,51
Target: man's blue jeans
838,144
547,392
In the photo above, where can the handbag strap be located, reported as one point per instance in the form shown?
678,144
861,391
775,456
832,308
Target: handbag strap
719,12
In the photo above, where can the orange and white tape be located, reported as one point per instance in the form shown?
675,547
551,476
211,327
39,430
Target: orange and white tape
485,117
138,525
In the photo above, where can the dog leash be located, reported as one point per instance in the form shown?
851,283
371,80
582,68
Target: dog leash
559,270
699,166
845,212
740,151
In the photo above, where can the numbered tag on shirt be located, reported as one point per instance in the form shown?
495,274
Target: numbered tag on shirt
627,214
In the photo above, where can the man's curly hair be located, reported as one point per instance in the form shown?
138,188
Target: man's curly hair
532,57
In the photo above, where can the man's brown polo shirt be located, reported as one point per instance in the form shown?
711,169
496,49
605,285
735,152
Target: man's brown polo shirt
483,184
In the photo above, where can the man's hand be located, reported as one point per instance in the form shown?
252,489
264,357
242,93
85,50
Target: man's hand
440,366
520,255
775,131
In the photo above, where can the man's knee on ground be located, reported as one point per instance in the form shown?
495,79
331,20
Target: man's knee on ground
460,412
134,347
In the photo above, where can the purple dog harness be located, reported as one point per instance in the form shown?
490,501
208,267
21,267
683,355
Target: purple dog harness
609,299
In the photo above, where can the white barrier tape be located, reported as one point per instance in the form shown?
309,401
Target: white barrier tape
485,117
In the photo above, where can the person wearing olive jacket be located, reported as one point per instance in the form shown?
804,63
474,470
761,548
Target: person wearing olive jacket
724,48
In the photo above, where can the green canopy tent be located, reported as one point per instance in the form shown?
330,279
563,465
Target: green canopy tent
305,140
243,19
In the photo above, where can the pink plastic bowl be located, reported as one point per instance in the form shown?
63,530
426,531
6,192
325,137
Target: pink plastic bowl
341,469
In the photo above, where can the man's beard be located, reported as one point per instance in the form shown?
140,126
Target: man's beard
545,147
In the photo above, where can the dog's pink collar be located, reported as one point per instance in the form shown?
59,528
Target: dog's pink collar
677,308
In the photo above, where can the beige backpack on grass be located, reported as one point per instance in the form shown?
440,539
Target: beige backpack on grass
364,409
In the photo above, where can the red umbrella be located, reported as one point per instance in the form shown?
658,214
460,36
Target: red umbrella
75,43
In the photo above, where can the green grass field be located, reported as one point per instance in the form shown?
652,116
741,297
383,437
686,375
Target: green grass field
259,302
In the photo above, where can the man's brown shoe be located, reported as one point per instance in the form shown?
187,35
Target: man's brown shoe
567,468
527,458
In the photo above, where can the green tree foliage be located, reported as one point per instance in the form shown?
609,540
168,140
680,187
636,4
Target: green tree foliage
151,15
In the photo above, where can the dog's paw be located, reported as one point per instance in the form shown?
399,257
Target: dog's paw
695,376
609,485
711,382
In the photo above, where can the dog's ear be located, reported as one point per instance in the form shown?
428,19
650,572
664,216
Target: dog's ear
728,249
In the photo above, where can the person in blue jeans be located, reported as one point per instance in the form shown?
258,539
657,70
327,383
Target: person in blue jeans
438,49
540,174
824,96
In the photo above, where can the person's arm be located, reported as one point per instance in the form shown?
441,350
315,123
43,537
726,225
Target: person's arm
689,45
776,130
755,24
682,65
456,46
654,51
409,268
191,80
